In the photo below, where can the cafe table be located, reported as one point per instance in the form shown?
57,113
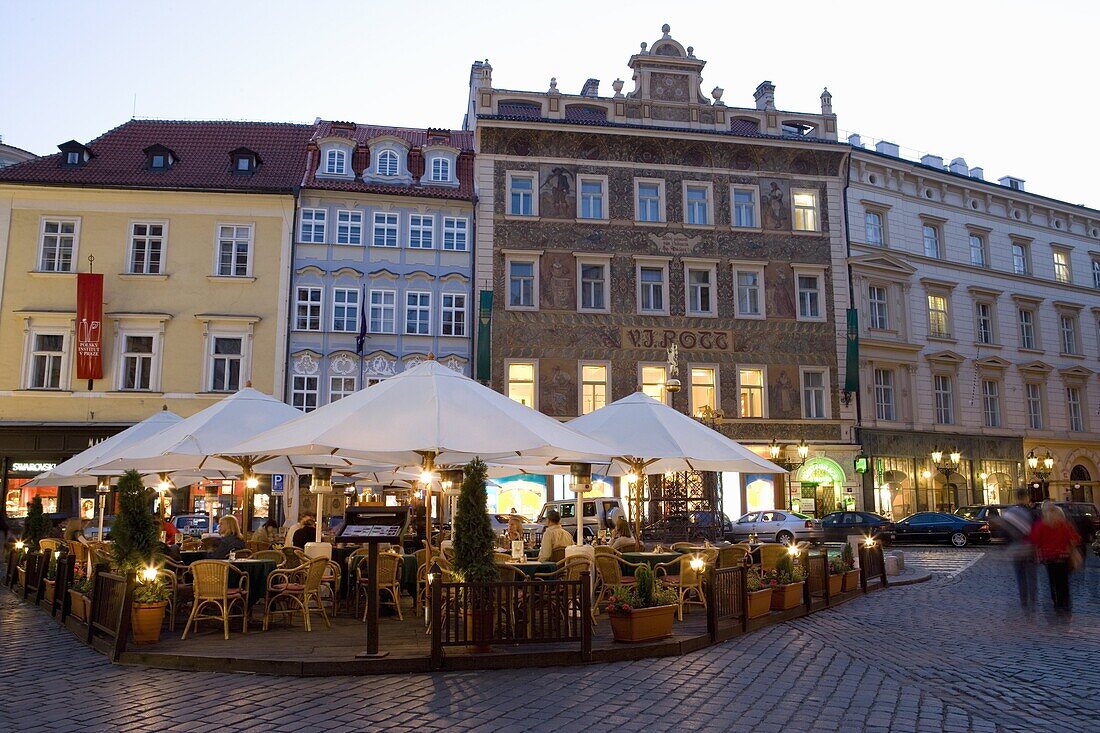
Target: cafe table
531,567
257,572
189,556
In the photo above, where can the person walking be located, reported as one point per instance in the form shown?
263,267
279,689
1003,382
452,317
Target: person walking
1017,522
1055,540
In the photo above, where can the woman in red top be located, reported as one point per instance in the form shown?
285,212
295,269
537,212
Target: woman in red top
1054,539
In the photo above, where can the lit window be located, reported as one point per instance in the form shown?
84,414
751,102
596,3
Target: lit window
146,248
649,201
387,163
73,158
421,231
652,284
1061,266
1021,264
521,198
234,250
749,298
751,388
744,208
1075,413
1034,405
47,360
592,198
813,395
385,230
944,389
700,291
991,403
312,230
875,234
454,315
345,310
137,363
225,364
704,391
593,286
809,296
521,283
1069,334
984,314
441,169
653,382
884,394
977,251
697,205
931,241
593,387
1027,329
937,317
340,387
880,308
383,311
307,309
454,233
805,210
58,245
418,313
336,162
303,392
521,383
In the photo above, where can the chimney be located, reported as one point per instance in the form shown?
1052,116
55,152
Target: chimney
591,88
888,148
765,95
481,75
977,173
958,165
1016,184
855,141
932,161
826,102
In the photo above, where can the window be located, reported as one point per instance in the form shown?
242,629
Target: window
991,403
805,210
244,163
1069,333
418,313
47,360
984,314
58,246
137,363
307,309
345,310
312,230
700,291
879,307
1061,266
813,395
649,201
1034,394
349,227
385,229
454,315
336,162
522,275
1074,411
234,250
73,158
226,360
750,385
873,228
593,387
1027,329
696,205
159,160
1096,274
521,383
938,317
593,286
884,394
592,203
387,163
944,388
978,254
653,382
809,297
704,390
303,392
421,231
931,236
749,296
651,284
454,233
146,248
744,208
521,195
441,169
383,311
340,387
1021,260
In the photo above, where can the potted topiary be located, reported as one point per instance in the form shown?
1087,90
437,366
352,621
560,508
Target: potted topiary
837,568
643,612
851,575
149,602
135,537
80,593
790,577
474,555
760,586
36,526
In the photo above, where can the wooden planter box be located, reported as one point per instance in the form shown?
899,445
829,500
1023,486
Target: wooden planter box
785,597
643,624
49,590
79,605
851,580
836,584
21,577
760,602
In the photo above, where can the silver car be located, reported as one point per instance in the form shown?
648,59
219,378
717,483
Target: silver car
778,526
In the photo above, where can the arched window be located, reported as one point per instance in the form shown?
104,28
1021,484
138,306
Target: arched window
1079,473
336,162
441,169
387,163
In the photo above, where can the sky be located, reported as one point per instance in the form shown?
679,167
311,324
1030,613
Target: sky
1006,85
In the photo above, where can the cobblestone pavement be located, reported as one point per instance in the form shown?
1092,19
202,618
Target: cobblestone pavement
952,654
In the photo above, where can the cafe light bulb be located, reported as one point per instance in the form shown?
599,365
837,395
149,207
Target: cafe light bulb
792,549
426,477
870,541
20,544
631,478
149,574
697,563
252,482
56,554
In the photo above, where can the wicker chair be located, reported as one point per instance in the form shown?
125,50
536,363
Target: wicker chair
571,569
677,546
421,598
296,587
275,556
213,588
294,557
769,554
389,580
209,543
50,545
605,550
191,546
257,546
181,584
557,555
331,584
79,551
733,556
686,579
609,574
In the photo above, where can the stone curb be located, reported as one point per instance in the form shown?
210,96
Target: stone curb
910,581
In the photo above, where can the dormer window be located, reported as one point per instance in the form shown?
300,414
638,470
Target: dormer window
245,161
387,163
336,162
159,158
73,154
73,158
441,169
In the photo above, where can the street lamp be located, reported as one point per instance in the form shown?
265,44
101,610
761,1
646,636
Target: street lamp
948,467
787,464
1041,470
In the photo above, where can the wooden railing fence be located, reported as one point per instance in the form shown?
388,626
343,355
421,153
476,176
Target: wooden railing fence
109,621
727,602
872,565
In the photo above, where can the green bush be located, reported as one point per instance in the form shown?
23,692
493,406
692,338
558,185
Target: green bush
37,525
647,592
846,555
787,571
474,541
135,535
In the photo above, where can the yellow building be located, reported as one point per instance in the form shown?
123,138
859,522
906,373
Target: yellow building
190,224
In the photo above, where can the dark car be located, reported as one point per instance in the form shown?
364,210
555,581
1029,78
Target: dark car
989,513
695,526
839,525
928,527
1085,517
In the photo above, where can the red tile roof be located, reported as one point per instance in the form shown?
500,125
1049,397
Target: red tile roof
203,150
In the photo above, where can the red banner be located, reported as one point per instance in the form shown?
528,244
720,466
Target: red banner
89,325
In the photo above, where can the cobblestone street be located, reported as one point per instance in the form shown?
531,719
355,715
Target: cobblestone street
952,654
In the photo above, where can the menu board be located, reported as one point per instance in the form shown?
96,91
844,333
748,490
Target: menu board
371,530
374,524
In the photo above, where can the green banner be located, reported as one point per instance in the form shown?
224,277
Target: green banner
851,367
484,335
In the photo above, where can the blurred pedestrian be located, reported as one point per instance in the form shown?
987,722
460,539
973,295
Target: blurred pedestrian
1016,522
1055,540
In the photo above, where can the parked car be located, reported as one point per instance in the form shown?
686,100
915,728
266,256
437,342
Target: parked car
696,526
599,514
839,525
91,532
499,523
1085,516
778,526
940,527
990,513
193,524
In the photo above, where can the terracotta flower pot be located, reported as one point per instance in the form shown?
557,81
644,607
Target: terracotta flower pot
21,576
643,624
787,596
851,580
78,605
836,584
146,620
760,602
49,590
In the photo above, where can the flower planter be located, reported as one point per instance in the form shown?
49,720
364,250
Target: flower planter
21,577
49,590
785,597
836,584
760,602
146,620
851,580
79,605
643,624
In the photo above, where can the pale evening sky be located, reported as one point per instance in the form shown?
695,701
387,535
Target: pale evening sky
1007,85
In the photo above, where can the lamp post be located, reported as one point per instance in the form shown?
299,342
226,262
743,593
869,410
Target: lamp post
102,488
1041,470
948,467
775,450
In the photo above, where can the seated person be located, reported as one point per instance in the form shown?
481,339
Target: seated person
170,531
74,529
620,535
306,533
555,537
268,533
514,532
231,538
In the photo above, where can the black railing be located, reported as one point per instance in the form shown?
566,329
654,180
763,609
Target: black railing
33,570
526,612
109,620
727,602
66,566
872,565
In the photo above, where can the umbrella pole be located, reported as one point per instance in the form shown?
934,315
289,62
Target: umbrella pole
102,503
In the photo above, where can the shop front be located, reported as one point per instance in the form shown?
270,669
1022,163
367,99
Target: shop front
17,496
